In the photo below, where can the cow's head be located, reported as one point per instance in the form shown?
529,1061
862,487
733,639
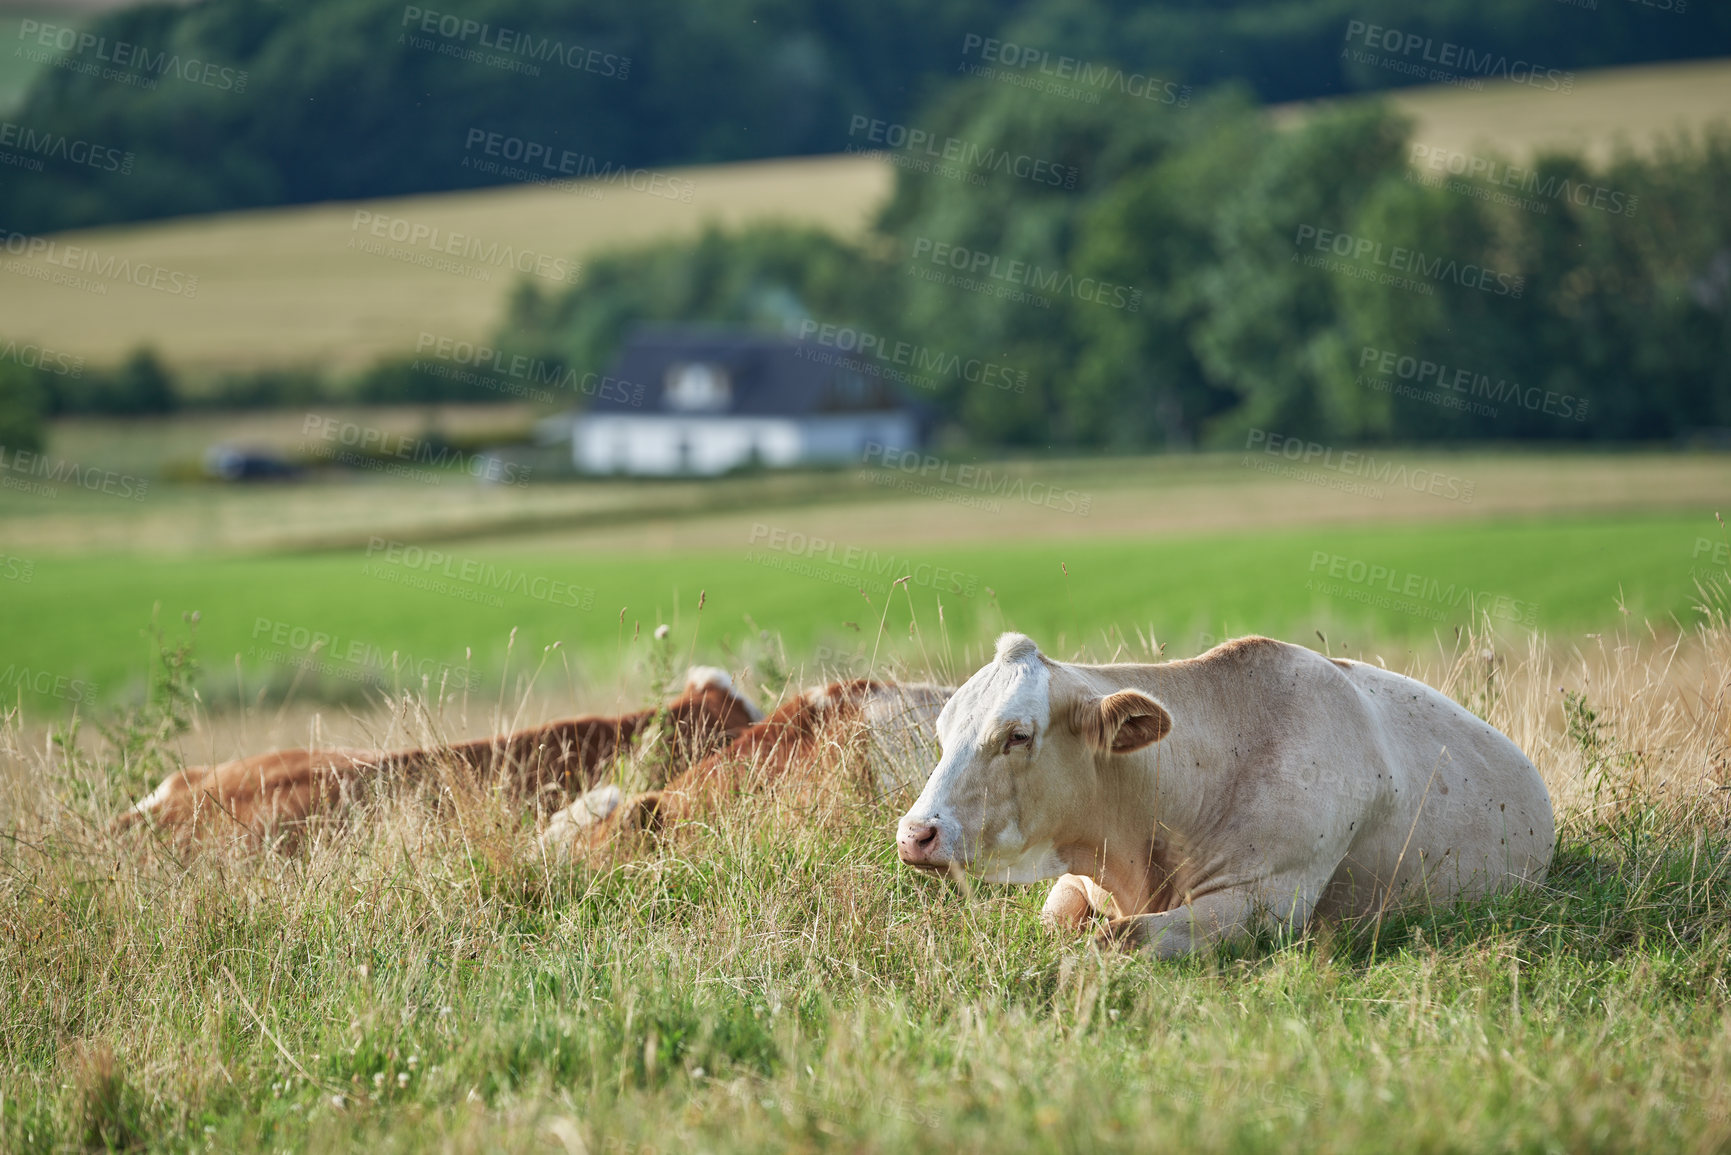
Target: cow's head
1023,743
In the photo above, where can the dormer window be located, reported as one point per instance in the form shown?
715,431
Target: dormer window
698,386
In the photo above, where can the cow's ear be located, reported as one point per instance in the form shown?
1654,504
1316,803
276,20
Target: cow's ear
1121,722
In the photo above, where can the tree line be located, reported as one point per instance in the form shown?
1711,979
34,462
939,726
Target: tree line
1207,277
1096,237
166,110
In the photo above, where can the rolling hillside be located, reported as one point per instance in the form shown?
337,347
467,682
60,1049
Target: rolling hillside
342,284
1637,107
339,285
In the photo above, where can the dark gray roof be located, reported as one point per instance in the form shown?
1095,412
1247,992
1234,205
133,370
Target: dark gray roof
769,375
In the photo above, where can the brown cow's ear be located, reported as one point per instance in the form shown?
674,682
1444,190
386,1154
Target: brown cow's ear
1121,722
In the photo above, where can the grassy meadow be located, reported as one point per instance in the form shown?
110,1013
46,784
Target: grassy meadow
419,974
85,618
421,977
343,591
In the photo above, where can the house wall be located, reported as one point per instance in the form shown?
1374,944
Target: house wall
666,445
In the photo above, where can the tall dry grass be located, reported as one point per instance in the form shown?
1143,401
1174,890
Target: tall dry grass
419,976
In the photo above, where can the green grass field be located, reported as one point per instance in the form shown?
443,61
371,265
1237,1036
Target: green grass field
85,618
422,977
1183,550
800,991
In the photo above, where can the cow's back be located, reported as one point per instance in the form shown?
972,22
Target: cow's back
1452,807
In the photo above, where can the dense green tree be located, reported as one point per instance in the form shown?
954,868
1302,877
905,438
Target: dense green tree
335,99
239,103
768,277
1305,282
1270,330
23,408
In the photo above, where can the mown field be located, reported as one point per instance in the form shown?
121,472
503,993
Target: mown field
1604,109
347,589
453,609
316,286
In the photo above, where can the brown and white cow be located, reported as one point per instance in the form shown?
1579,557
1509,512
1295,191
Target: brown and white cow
269,791
879,735
1188,799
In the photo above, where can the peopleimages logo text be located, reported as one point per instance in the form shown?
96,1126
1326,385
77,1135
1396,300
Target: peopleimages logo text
1140,85
1358,464
904,138
1416,589
482,575
856,560
34,356
1489,65
349,658
46,472
1423,372
58,146
532,371
918,359
1414,261
1026,274
545,162
514,42
1527,181
976,477
84,259
132,62
378,447
464,246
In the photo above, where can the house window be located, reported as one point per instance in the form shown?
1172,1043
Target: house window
848,392
698,386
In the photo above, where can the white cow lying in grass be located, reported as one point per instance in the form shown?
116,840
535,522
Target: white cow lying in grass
1190,798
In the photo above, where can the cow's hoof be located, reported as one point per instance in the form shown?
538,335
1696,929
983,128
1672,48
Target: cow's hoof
1121,934
571,824
1067,907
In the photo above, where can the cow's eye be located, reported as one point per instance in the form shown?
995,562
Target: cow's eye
1017,738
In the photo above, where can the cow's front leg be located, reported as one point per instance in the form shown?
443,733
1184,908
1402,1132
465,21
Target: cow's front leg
1075,898
570,825
1219,917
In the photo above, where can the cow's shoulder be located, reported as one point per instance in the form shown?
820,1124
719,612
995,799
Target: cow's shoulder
1287,681
1250,646
1257,652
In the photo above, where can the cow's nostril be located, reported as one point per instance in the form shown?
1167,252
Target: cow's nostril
920,843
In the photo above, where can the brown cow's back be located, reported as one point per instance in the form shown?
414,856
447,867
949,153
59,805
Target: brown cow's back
266,791
821,737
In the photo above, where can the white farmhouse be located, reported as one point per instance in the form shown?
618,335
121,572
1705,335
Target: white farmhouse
704,401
